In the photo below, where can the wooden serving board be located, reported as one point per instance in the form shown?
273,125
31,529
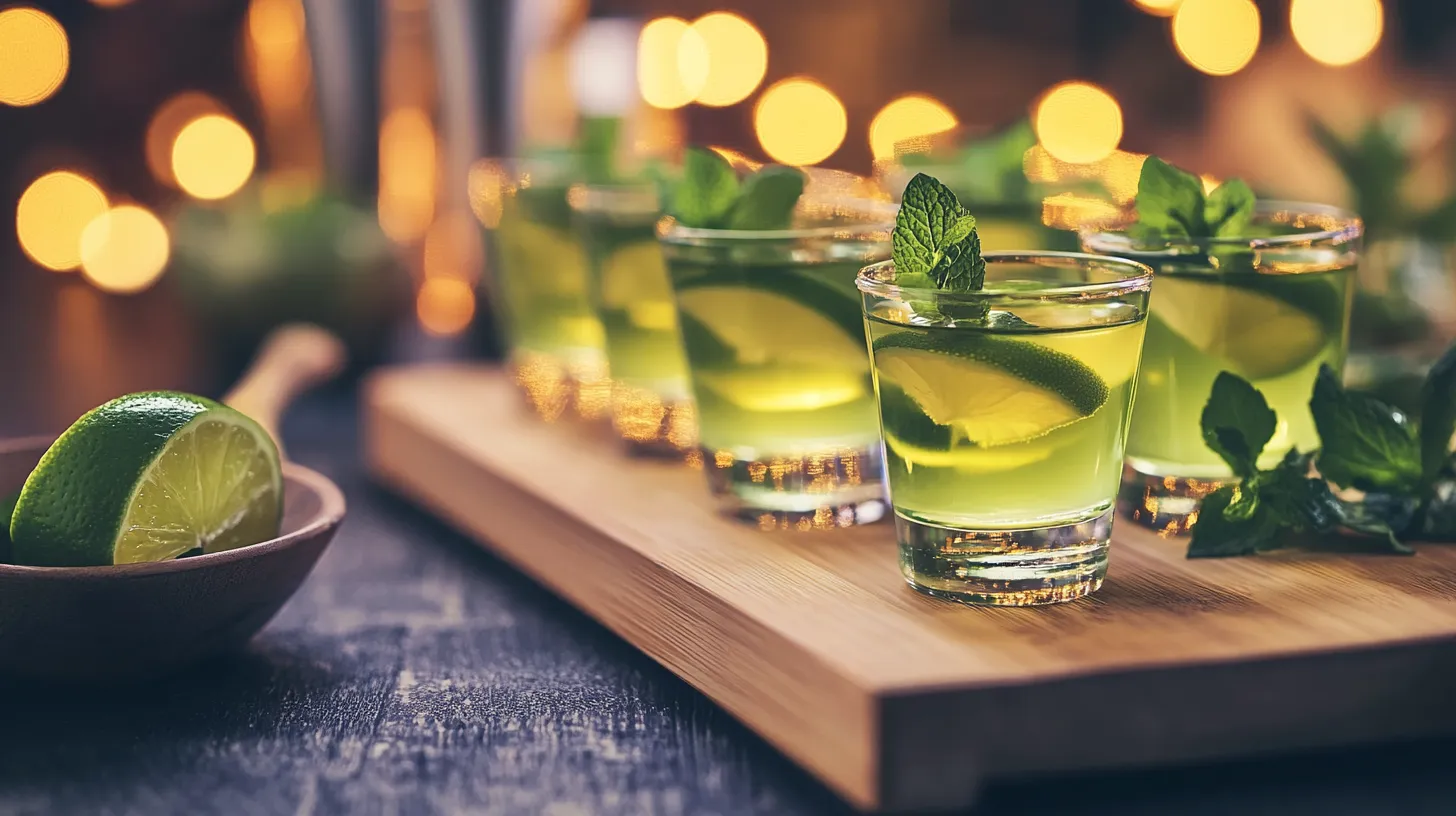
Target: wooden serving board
899,701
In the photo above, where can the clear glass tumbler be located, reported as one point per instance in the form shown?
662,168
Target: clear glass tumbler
775,343
1272,307
652,407
1004,413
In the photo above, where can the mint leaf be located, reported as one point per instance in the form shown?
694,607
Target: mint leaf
1438,417
1221,534
1237,423
707,192
1303,504
767,199
1170,201
1229,209
936,236
1381,515
1366,444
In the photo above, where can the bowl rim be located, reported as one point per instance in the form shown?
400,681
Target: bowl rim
332,508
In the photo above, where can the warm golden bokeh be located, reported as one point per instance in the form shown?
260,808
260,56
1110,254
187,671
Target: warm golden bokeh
1337,32
1217,37
906,118
672,63
109,3
1078,122
1158,8
486,189
168,120
799,121
445,306
124,250
213,157
53,212
407,174
34,56
737,58
278,52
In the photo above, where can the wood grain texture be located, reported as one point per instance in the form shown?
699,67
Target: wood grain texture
901,701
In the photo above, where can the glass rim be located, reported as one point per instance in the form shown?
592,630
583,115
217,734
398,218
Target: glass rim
1136,277
873,217
621,198
1342,226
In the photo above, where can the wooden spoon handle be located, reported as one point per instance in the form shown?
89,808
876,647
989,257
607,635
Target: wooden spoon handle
292,359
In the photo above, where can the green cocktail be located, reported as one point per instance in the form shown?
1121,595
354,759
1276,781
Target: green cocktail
775,343
1004,414
557,343
1271,308
652,407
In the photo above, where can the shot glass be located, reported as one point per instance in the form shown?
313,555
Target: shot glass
1272,307
775,344
1004,413
557,346
652,407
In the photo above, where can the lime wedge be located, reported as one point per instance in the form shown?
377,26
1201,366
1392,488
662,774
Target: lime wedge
988,389
921,442
823,293
787,387
762,325
1260,332
148,477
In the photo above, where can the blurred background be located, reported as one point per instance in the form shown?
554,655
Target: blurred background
180,175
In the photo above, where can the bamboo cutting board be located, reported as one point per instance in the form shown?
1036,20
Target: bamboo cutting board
899,701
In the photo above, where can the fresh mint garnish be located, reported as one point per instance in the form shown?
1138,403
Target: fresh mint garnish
935,239
1402,469
1365,444
710,195
1171,204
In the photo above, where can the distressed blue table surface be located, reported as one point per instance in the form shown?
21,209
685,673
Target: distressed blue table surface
415,674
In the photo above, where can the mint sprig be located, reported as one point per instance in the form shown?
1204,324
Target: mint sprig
711,196
935,240
1171,204
1402,468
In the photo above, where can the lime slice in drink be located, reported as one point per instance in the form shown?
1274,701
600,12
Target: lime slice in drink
923,443
818,293
634,281
148,477
1260,334
762,326
991,390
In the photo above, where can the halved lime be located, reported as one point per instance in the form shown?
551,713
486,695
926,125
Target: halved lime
992,390
921,442
634,274
835,300
1259,331
148,477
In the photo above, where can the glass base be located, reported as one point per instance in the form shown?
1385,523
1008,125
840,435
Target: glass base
818,492
1005,567
554,388
651,425
1167,504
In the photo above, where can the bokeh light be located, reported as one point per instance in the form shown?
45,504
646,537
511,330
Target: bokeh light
124,250
666,47
212,157
1078,122
485,186
737,58
1158,8
906,118
445,305
167,122
799,121
407,157
1337,32
109,3
276,41
34,56
1217,37
53,212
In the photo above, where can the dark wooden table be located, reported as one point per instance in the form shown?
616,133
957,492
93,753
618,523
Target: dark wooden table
414,674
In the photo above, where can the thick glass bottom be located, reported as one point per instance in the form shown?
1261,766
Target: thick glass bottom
814,492
1005,567
554,387
653,425
1167,504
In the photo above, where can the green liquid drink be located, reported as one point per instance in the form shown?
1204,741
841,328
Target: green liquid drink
775,342
557,342
1270,309
1005,413
652,407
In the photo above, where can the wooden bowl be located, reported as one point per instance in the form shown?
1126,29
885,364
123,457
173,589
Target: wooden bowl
137,621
